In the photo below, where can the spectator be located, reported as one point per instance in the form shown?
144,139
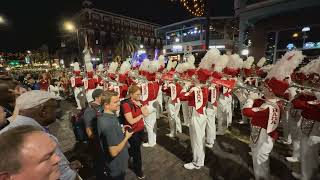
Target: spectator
90,117
3,118
8,92
55,88
44,82
91,114
112,138
134,117
38,108
28,153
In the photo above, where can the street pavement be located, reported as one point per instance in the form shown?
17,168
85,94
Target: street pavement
227,160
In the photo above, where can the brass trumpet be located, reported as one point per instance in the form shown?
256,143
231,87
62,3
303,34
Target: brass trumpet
304,87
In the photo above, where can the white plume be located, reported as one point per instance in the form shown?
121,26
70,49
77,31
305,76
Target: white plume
248,63
266,68
76,66
312,67
125,67
180,68
113,67
144,65
191,59
161,60
212,53
153,66
100,67
261,62
169,65
286,65
221,63
89,67
235,61
207,61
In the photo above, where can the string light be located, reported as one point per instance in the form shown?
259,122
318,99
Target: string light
195,7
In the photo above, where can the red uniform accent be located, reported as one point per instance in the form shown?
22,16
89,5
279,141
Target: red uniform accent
153,89
136,111
231,71
217,89
44,84
191,99
248,72
259,118
123,90
91,83
90,74
260,72
309,111
78,81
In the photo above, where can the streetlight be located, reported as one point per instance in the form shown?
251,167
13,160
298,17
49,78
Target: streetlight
2,20
305,36
69,26
245,52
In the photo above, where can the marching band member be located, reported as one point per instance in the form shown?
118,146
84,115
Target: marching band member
224,99
205,67
232,69
161,62
309,104
89,82
197,98
265,113
149,95
77,84
294,125
98,77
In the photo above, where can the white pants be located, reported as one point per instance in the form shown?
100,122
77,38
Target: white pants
285,125
222,118
77,91
185,112
211,124
295,131
150,124
310,146
197,137
174,120
160,101
89,95
260,155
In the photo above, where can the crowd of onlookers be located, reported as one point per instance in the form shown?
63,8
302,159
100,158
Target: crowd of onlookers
28,105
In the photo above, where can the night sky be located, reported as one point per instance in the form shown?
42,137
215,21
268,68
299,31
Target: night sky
32,23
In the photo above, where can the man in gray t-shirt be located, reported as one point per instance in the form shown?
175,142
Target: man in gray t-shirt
113,139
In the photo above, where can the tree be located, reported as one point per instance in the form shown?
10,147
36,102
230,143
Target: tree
41,55
125,45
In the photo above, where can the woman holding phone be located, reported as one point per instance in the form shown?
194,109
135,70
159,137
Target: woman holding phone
134,111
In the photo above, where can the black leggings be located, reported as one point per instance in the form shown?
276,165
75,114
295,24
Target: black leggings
135,150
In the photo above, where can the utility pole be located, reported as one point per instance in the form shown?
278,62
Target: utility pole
207,10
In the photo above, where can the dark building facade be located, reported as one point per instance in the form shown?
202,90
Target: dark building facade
104,29
271,27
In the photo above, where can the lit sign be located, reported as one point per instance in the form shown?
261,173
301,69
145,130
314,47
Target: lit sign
291,46
218,46
309,45
177,48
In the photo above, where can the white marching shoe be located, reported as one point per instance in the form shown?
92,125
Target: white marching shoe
292,159
209,145
191,166
171,135
148,145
